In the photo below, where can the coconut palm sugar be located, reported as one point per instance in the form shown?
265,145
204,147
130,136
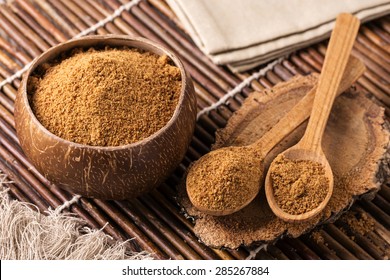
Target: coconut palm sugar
105,97
299,185
357,223
225,184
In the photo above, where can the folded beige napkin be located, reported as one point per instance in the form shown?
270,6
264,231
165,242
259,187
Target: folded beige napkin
247,33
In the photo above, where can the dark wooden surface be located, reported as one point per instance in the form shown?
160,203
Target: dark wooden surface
27,28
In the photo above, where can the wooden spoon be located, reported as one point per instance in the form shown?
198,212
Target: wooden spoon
309,147
198,181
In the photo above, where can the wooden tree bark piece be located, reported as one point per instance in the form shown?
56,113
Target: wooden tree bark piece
355,142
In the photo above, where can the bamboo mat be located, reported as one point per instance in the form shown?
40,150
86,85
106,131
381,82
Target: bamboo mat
27,28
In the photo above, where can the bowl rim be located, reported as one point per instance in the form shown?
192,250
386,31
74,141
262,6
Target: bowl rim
177,61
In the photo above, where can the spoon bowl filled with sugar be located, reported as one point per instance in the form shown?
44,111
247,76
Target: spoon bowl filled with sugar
226,180
299,182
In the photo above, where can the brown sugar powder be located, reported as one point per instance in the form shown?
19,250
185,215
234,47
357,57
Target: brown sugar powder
359,223
299,185
106,97
225,183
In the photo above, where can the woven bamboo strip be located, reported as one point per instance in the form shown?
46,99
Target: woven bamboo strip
301,64
370,64
97,15
320,248
75,208
373,89
6,61
17,194
316,55
7,103
27,191
303,249
115,232
203,134
198,71
182,226
18,56
340,236
370,247
199,145
178,229
185,40
376,212
292,68
289,251
381,31
18,37
241,253
69,15
26,29
144,6
164,9
340,250
8,121
263,255
273,78
164,230
136,211
166,193
219,116
70,5
8,131
377,240
385,24
133,215
133,230
383,86
43,20
3,72
23,15
212,121
371,81
382,203
380,60
283,72
234,93
55,16
378,49
254,84
276,253
374,37
385,192
118,22
26,175
10,92
379,229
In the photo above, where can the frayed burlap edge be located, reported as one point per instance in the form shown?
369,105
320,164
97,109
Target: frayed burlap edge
27,234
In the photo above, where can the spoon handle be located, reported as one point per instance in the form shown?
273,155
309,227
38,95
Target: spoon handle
337,54
301,111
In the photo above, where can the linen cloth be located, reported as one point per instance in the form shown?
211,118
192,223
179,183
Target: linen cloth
244,34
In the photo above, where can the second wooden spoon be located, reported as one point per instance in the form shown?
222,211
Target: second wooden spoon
309,148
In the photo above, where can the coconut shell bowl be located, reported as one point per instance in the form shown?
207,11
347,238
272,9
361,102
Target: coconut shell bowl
113,172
